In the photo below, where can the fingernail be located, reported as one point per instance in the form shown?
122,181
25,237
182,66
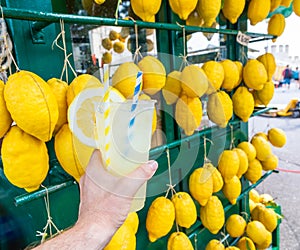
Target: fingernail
153,165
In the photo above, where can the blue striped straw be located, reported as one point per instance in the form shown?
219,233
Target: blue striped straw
137,90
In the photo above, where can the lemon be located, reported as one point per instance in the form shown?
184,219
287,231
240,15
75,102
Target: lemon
154,74
249,149
277,137
107,58
113,35
212,215
81,113
243,159
185,209
201,185
107,43
179,241
243,103
245,243
231,74
266,243
232,9
257,232
25,159
276,25
4,114
228,164
240,69
252,205
255,74
132,220
32,104
118,47
232,189
254,171
262,146
219,108
124,238
271,163
215,245
265,199
268,60
172,88
188,113
124,78
215,74
72,155
145,9
235,225
160,218
59,89
217,179
268,217
275,4
296,7
194,19
183,8
266,94
80,83
258,10
193,81
209,10
254,195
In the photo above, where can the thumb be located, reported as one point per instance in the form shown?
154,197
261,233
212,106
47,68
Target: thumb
137,178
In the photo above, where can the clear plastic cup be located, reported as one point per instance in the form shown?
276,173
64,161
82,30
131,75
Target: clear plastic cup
128,146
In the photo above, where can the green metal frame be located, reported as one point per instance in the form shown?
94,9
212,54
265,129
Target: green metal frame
34,31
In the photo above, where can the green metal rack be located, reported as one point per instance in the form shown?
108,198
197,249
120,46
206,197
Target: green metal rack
33,27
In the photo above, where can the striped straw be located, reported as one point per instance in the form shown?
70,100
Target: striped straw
137,90
106,100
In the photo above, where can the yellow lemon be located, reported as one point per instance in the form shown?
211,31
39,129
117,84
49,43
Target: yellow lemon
296,7
194,19
255,74
72,155
107,43
81,113
4,114
256,231
201,185
231,74
212,215
262,146
266,199
124,238
258,10
245,243
254,195
25,159
243,103
107,58
145,9
240,69
178,241
235,225
271,163
132,220
276,25
252,205
219,108
185,209
80,83
188,113
209,10
274,5
118,47
232,9
183,8
215,245
266,94
228,164
249,149
243,166
32,104
232,189
172,88
124,78
268,217
59,89
254,171
215,74
154,74
266,243
277,137
113,35
217,179
193,81
160,218
268,60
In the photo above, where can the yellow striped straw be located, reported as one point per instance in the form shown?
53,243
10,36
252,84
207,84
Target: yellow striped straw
106,100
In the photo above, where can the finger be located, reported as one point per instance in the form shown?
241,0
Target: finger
131,183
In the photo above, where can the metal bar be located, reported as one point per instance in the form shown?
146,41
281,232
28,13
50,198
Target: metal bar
262,111
25,198
56,17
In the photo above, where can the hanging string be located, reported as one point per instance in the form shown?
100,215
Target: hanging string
49,223
117,12
232,139
137,54
196,242
64,49
206,160
170,185
184,56
225,238
7,43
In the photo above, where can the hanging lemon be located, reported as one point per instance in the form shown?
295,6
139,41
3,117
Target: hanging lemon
160,218
262,146
258,10
249,149
132,220
277,137
245,243
183,8
4,114
232,189
236,225
255,74
145,9
268,60
254,171
231,74
232,9
270,164
257,232
215,74
215,245
243,159
172,89
243,103
209,11
25,159
185,209
178,241
228,164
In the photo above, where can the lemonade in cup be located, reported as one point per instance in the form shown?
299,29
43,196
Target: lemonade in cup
129,145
